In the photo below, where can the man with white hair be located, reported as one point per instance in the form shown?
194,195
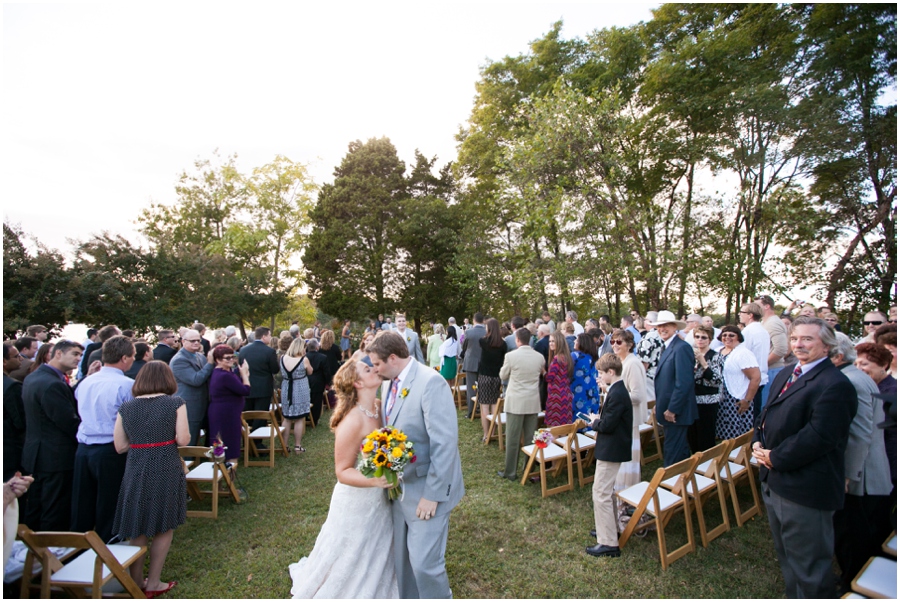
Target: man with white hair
866,470
715,344
693,321
460,333
572,318
230,331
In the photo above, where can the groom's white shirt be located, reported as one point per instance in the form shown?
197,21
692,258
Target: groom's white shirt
386,389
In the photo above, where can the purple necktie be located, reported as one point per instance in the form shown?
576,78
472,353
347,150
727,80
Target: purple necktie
392,397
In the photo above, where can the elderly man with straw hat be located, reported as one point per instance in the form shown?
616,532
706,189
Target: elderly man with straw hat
676,404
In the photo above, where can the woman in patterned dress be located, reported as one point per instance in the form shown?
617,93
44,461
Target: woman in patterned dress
585,392
707,381
740,380
295,398
493,352
153,495
635,378
559,374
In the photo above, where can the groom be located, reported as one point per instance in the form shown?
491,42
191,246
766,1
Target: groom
418,402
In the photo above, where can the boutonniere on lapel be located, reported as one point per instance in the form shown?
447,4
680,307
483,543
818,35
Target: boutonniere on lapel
408,339
404,392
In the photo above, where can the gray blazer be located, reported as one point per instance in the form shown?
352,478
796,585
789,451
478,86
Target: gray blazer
413,343
471,350
192,373
865,460
427,415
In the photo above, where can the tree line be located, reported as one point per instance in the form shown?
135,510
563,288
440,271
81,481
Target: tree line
582,182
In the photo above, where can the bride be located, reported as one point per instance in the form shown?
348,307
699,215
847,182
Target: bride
342,563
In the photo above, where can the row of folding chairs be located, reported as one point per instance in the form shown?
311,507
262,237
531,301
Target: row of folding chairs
878,578
685,487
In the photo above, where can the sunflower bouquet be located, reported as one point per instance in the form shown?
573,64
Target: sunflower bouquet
386,452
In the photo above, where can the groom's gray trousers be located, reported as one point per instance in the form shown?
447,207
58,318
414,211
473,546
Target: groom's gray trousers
421,573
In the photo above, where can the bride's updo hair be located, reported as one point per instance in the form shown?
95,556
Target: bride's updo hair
345,391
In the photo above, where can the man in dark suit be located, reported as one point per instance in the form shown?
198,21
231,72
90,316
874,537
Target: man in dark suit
471,355
27,348
13,414
676,404
542,346
165,350
263,362
51,421
799,443
201,328
94,349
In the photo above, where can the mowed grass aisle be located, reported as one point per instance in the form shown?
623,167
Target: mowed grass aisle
505,540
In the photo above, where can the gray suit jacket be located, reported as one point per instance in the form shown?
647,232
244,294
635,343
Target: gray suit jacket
427,415
414,343
471,350
865,460
192,373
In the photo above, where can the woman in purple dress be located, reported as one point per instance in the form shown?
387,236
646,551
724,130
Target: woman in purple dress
226,401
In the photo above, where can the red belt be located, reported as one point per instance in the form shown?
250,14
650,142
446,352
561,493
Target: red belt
140,445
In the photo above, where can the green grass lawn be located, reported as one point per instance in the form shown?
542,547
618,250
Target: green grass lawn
505,540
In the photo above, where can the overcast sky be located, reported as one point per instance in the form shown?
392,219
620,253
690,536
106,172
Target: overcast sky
105,104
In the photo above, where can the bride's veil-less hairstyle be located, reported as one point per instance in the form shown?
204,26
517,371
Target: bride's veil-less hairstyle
346,393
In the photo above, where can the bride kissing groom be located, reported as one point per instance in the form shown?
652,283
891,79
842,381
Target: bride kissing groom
418,402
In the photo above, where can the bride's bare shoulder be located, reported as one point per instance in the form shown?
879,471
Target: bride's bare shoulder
352,428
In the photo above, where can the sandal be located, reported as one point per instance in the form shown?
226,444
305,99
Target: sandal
159,592
298,449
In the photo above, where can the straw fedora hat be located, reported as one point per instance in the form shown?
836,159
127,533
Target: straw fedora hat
667,317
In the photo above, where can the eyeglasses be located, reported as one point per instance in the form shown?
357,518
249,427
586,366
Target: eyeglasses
696,338
190,340
227,357
873,323
745,312
616,342
728,335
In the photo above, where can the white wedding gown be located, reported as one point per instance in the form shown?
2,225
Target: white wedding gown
354,554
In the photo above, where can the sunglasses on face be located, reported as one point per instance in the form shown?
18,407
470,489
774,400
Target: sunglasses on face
873,323
729,335
700,338
616,342
228,357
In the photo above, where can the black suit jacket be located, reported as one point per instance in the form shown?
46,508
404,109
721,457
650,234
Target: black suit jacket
263,361
86,358
543,347
135,368
163,353
806,430
51,421
674,384
614,426
13,426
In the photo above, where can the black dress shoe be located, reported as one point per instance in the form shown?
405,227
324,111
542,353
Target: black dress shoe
594,533
601,550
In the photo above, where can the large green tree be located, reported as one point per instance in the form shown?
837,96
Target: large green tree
351,260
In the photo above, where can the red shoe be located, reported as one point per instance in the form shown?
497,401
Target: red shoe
159,592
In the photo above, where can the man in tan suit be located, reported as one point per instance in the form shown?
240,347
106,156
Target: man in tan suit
522,368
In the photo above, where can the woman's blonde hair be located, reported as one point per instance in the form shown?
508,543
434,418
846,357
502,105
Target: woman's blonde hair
326,340
346,393
297,348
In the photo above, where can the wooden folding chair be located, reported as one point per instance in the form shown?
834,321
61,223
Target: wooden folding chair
82,576
739,469
498,421
271,432
582,453
459,391
877,579
210,473
661,504
650,432
557,455
889,547
275,406
706,481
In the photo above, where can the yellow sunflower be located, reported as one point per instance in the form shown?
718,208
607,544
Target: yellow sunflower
368,446
381,458
397,452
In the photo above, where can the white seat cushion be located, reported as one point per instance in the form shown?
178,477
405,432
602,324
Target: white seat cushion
703,483
634,494
202,472
551,452
584,442
891,545
736,469
263,432
591,434
81,570
880,577
644,428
